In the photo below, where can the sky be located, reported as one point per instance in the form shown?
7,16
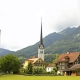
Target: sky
20,20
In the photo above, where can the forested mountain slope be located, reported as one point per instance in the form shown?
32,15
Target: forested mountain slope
66,40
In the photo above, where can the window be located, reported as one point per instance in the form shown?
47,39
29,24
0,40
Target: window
35,64
41,51
60,67
63,67
60,63
63,63
77,60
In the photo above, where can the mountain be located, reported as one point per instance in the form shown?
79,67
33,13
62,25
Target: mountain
66,40
32,50
4,51
69,43
67,31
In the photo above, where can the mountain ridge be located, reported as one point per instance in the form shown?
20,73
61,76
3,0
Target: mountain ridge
68,40
4,51
48,41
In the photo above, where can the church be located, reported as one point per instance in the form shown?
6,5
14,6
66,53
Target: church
37,61
41,46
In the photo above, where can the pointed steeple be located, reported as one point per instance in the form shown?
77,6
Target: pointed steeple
41,40
41,46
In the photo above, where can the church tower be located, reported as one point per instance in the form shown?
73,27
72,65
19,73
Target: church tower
41,46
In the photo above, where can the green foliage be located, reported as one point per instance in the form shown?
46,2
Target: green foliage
69,43
49,58
55,69
38,71
56,56
52,72
30,68
10,63
21,71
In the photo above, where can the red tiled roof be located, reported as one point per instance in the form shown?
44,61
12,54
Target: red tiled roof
33,57
50,65
72,57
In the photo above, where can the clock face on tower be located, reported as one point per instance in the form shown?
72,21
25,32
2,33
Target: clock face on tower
41,46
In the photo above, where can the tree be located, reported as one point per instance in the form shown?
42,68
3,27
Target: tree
38,70
55,69
56,56
30,68
10,63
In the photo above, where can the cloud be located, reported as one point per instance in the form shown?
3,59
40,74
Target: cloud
20,20
67,15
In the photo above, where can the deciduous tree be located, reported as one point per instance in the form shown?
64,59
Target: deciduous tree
10,63
30,68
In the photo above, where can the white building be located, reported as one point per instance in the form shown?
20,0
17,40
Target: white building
50,67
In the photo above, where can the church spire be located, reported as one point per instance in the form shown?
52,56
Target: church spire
41,46
41,40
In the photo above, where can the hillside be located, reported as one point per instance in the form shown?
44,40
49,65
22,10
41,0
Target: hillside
55,43
69,43
4,51
32,50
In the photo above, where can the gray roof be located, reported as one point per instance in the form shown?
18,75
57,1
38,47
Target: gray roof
41,38
75,67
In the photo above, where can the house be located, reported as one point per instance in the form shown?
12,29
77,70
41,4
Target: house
50,67
68,63
75,70
36,62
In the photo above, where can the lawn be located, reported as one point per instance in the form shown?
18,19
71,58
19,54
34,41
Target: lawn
22,77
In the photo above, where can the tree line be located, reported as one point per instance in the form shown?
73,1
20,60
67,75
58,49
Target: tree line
11,64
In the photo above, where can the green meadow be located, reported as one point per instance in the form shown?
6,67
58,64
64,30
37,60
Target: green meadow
22,77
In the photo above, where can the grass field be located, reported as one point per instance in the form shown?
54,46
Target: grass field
22,77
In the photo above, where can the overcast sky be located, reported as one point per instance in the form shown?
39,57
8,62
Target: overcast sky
20,20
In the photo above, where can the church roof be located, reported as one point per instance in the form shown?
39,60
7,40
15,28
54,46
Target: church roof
33,60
